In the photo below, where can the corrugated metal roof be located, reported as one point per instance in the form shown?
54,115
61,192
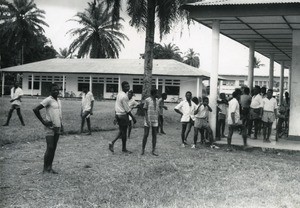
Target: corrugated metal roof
240,2
109,66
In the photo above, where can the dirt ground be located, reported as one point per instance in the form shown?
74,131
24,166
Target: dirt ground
91,176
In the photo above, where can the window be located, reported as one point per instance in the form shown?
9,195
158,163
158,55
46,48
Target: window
112,84
241,82
172,87
36,82
137,85
229,82
138,89
172,90
36,85
98,80
82,86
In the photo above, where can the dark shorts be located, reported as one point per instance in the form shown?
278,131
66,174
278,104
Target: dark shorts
245,113
123,120
14,106
254,114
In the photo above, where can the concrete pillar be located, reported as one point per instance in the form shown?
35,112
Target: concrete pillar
289,80
214,74
294,130
156,83
3,81
251,65
281,83
63,86
119,84
32,81
91,83
271,72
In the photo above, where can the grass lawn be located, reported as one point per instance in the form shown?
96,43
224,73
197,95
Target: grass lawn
90,176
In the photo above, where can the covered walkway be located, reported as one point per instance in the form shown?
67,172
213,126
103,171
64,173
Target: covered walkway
269,27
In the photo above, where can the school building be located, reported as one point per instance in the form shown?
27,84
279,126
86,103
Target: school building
104,77
231,82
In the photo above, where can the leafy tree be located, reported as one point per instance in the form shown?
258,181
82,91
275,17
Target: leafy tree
21,22
144,15
65,53
98,36
257,63
169,51
192,58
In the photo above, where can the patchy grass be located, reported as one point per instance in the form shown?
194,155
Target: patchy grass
90,176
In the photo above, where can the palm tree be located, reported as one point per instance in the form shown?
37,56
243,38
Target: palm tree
169,51
257,63
192,58
98,37
21,22
65,53
143,14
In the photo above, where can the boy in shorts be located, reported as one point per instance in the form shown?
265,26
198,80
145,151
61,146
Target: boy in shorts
151,120
53,125
269,114
201,121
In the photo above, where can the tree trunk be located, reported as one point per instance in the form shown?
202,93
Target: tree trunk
148,61
149,44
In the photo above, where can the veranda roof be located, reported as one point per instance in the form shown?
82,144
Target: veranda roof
267,23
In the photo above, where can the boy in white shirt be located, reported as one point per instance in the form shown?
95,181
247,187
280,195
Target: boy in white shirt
87,105
186,109
16,95
233,119
53,125
201,121
269,114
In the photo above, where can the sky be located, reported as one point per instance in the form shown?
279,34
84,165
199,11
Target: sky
233,56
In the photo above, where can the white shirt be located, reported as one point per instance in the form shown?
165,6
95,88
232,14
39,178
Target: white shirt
257,101
269,105
14,95
187,110
87,101
234,107
203,112
53,110
121,106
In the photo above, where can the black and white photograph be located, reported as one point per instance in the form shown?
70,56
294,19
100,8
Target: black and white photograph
150,103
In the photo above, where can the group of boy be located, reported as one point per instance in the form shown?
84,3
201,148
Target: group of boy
242,111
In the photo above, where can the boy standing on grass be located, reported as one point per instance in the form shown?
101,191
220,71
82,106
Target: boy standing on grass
132,104
201,122
161,105
269,114
87,105
53,125
222,112
151,120
122,111
234,122
16,95
186,109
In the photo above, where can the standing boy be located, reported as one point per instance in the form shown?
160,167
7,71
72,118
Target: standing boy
269,114
16,94
87,105
234,122
132,104
151,120
161,105
222,112
201,121
53,125
186,109
255,112
122,111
